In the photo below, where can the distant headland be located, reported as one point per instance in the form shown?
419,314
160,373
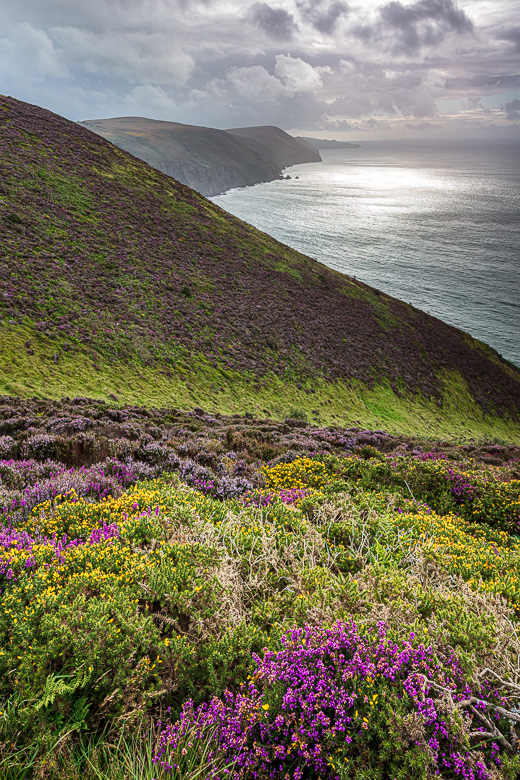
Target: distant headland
324,143
207,160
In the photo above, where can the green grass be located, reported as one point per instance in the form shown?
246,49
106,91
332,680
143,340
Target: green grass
193,382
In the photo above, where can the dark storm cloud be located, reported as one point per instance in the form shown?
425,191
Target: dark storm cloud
406,29
445,12
323,16
276,22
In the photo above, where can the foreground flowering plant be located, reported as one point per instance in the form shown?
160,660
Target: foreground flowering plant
19,549
339,701
118,599
287,496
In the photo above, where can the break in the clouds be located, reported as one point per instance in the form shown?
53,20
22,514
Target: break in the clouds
343,68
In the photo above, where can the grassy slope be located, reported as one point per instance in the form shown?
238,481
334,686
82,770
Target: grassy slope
333,403
116,279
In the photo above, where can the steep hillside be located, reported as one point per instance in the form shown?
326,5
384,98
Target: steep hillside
211,161
117,280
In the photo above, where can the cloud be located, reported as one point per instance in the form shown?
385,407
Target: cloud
150,100
406,29
30,50
323,15
512,110
434,80
474,103
396,75
512,35
132,55
276,22
444,12
418,126
296,74
256,83
347,66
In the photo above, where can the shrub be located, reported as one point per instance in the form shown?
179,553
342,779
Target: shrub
343,702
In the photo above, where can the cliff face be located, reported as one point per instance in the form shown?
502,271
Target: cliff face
207,160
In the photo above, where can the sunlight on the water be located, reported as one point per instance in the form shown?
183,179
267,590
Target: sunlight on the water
437,229
393,178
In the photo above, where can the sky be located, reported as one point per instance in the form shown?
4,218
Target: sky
352,70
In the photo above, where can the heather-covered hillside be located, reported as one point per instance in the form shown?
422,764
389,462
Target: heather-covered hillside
116,279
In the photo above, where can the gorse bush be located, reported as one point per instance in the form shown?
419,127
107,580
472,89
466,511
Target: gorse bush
475,494
299,474
116,608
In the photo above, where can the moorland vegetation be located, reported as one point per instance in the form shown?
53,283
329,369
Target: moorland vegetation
238,593
193,595
115,279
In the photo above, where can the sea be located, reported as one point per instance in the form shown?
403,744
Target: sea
435,224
